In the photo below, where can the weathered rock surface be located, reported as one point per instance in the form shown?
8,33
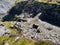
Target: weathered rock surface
4,30
38,30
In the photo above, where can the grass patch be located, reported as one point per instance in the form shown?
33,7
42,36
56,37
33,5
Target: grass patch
5,37
8,24
23,41
44,43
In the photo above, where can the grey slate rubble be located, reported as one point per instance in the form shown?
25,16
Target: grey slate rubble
44,31
4,30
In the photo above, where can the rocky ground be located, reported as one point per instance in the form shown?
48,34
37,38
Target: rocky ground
34,28
5,6
29,23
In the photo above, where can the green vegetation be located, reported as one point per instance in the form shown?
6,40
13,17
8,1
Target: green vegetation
5,37
22,41
8,24
44,43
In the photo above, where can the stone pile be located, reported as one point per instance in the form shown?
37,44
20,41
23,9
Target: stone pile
39,30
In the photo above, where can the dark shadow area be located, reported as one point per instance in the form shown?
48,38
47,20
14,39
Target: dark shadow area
49,14
35,26
18,8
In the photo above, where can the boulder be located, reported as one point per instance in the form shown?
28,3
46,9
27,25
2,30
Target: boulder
5,6
4,30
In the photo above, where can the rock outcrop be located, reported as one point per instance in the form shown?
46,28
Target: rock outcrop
38,30
5,6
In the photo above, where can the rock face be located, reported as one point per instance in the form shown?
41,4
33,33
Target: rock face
5,5
38,30
3,30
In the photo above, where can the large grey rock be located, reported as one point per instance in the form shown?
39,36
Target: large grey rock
5,5
4,30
